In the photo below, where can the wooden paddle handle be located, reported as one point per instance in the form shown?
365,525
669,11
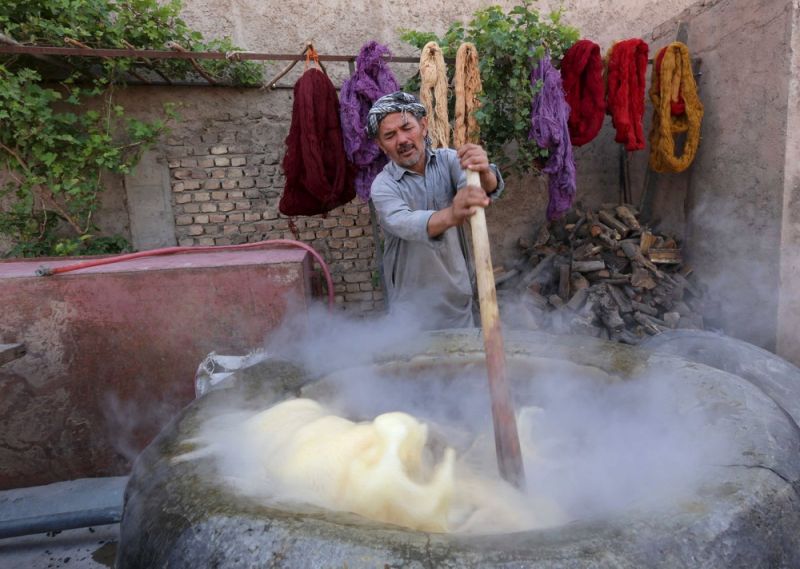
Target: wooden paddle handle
506,438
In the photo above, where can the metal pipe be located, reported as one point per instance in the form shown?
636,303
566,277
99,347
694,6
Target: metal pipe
60,522
164,54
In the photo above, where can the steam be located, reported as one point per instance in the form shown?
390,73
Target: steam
592,449
129,425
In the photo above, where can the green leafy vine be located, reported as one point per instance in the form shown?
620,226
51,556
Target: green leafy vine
60,125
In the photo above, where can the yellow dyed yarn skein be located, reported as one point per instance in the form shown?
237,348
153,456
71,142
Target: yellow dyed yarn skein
672,80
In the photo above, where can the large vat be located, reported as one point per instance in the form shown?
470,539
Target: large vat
745,514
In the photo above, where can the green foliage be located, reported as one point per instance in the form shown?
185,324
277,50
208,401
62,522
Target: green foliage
143,24
60,127
508,44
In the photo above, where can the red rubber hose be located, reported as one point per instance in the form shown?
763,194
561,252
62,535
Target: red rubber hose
47,271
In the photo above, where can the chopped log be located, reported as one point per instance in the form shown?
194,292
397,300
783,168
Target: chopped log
578,281
627,217
580,224
665,256
584,325
615,281
542,237
588,266
672,319
578,299
541,268
563,282
623,302
626,337
630,250
614,262
506,276
684,282
603,273
612,320
646,241
608,309
613,223
635,255
585,251
654,320
645,308
605,237
598,275
642,278
558,232
535,299
648,326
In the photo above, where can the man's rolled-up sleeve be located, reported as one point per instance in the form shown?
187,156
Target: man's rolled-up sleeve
398,218
462,178
501,184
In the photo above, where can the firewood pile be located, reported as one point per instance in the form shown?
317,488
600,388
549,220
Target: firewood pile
600,273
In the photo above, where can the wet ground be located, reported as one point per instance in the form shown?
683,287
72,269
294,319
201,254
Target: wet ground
85,548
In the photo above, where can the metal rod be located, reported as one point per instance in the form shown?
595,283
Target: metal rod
60,522
163,54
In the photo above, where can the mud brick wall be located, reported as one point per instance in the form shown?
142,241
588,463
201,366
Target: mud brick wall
226,179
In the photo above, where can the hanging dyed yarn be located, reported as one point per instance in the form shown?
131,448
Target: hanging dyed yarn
371,80
582,74
550,130
433,93
627,69
318,175
467,85
676,109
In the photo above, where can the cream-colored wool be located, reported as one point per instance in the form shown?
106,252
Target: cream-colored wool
433,93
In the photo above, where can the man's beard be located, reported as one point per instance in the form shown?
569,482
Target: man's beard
411,160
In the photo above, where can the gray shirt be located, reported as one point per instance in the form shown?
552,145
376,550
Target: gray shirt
425,276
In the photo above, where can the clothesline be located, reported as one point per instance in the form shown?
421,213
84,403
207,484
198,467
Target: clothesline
166,54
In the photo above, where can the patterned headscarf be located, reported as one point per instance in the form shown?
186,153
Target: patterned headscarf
397,102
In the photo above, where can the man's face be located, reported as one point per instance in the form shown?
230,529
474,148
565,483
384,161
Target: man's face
402,137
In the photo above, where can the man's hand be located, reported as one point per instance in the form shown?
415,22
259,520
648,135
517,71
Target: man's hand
465,203
473,157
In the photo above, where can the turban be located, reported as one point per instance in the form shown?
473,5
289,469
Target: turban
397,102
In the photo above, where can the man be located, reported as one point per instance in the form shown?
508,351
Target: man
422,198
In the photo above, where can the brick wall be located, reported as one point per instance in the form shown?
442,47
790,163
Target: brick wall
227,179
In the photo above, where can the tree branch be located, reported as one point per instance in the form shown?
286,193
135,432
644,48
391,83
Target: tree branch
43,193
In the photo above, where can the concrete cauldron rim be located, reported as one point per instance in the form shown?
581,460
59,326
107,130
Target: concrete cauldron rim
313,538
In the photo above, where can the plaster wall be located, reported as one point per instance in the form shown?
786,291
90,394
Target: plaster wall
729,205
342,26
789,298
